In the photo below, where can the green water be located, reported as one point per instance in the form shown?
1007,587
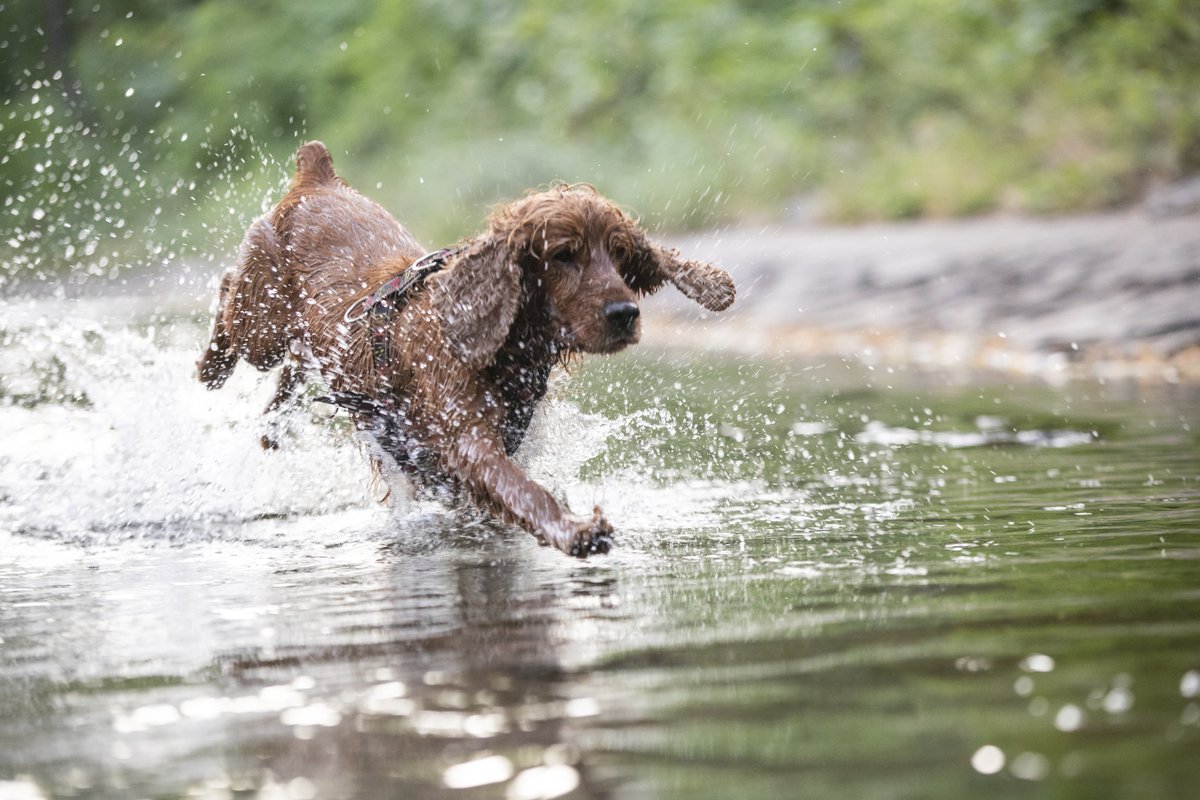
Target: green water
829,583
869,614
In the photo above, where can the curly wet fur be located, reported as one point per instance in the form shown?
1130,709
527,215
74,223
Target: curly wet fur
466,360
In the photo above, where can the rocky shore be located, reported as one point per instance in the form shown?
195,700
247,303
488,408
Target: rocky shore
1103,296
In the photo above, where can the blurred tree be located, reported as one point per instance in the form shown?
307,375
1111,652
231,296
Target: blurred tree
184,113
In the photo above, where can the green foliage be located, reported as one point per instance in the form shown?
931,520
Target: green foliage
183,115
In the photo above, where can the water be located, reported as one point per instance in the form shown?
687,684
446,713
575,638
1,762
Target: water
828,583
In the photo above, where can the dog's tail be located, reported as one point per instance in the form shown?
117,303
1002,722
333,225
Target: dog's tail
314,165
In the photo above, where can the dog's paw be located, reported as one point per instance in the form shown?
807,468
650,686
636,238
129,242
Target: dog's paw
585,537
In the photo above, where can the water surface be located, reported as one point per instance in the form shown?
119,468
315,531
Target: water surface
829,582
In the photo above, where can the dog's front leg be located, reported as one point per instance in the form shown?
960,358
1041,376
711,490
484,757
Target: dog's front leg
478,459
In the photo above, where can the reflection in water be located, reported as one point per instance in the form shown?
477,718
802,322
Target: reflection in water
365,670
821,588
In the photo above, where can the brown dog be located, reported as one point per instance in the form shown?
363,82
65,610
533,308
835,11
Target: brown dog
441,358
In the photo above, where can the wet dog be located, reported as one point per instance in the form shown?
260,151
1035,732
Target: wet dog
441,357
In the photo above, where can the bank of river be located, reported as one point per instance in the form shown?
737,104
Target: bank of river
1107,296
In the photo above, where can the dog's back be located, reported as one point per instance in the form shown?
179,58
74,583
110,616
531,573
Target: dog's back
338,241
318,250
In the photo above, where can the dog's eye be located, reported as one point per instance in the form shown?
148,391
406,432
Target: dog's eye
565,257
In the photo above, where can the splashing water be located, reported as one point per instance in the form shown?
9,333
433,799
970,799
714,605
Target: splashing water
109,436
83,209
106,431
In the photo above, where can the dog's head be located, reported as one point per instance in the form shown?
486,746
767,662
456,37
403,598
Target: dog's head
574,254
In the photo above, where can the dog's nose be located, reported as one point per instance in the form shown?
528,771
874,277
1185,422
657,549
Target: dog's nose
621,315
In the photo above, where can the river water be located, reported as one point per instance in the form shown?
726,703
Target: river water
828,582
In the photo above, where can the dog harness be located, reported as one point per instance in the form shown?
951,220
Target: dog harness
392,295
385,414
377,307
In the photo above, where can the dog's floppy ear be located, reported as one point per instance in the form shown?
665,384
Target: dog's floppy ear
650,264
475,300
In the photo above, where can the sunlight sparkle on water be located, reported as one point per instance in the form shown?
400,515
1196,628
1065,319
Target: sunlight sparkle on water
479,772
315,715
543,783
150,716
20,790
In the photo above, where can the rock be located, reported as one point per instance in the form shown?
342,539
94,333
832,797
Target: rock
1175,199
1065,290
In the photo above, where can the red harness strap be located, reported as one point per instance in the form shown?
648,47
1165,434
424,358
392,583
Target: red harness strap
392,295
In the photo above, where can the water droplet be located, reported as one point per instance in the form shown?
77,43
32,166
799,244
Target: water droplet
1030,766
1038,662
1069,718
1118,701
988,760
